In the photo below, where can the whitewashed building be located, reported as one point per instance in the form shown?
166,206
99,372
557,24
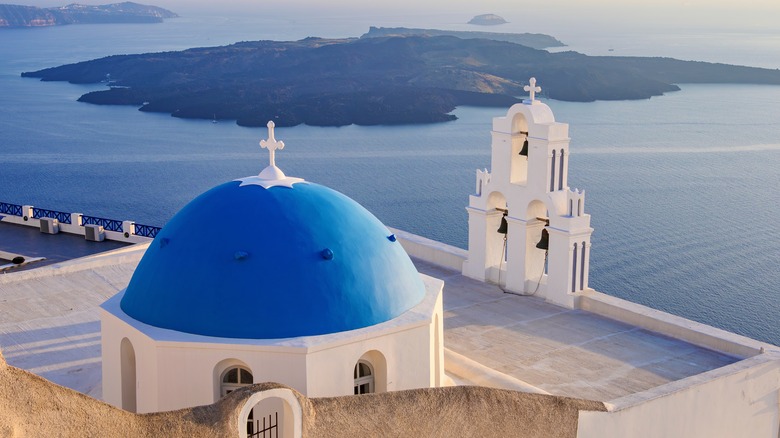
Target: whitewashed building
305,287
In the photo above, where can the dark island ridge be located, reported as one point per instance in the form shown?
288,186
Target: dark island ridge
369,81
533,40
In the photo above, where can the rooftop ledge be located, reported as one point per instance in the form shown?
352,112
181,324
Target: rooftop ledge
605,349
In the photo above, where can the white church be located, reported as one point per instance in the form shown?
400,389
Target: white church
313,292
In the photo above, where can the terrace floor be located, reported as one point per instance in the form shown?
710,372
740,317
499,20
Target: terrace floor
564,352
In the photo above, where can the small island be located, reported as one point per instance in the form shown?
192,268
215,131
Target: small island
370,81
487,20
127,12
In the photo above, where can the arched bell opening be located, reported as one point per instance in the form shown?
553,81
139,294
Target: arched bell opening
497,230
519,164
537,244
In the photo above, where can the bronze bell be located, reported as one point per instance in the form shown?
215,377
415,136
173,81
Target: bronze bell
524,150
504,225
544,242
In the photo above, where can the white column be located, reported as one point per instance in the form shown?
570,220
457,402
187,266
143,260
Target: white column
501,156
27,212
516,252
128,227
559,268
565,167
476,264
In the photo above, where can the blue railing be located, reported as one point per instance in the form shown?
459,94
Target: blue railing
65,218
12,209
107,224
61,216
146,230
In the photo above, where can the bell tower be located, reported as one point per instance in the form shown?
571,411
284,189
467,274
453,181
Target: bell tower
528,231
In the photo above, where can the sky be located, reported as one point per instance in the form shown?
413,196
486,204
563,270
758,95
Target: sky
758,14
714,11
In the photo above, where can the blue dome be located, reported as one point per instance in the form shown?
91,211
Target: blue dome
250,262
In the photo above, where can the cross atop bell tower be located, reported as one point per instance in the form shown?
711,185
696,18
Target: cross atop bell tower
528,231
532,89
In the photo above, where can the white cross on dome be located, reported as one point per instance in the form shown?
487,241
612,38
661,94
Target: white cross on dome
271,144
271,176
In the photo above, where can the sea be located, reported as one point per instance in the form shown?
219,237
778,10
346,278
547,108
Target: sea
683,188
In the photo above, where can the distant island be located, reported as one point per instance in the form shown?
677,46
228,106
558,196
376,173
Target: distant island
369,81
487,20
534,40
127,12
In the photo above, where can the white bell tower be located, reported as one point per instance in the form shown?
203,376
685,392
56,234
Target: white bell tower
528,187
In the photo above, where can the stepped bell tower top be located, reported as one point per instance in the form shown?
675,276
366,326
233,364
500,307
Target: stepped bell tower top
271,176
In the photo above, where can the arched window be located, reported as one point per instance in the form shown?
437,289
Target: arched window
552,172
574,270
364,378
560,173
582,270
234,378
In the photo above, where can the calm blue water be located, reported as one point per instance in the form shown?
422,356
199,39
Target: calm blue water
683,189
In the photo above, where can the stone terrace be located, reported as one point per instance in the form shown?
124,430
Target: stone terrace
564,352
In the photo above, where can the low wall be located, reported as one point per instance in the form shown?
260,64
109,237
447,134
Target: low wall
431,251
670,325
747,394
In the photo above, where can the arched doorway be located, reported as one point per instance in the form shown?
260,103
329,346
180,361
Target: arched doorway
277,414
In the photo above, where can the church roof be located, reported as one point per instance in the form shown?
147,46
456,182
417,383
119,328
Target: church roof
270,257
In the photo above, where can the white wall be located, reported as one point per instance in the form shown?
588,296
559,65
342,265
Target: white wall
113,331
407,355
176,370
739,400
